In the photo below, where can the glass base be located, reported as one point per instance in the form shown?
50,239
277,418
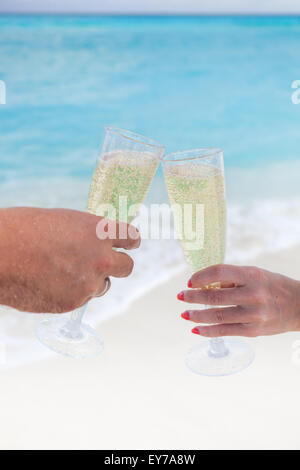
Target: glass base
237,356
78,342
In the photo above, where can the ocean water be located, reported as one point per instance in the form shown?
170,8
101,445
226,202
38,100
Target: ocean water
185,81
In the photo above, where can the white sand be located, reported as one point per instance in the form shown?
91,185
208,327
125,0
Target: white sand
139,394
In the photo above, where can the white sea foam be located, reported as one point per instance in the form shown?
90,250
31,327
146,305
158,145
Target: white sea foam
254,227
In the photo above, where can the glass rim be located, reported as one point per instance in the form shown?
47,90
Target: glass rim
133,136
211,152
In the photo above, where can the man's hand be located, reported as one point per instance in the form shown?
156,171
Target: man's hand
254,302
51,260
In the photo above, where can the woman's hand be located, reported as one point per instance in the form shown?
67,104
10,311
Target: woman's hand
53,260
254,302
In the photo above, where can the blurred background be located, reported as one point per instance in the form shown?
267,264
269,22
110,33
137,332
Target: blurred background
187,81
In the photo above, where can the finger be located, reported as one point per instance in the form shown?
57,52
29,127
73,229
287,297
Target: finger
127,237
220,315
228,296
122,235
223,273
217,331
121,264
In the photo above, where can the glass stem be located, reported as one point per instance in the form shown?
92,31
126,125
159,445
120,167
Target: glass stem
217,348
72,328
76,315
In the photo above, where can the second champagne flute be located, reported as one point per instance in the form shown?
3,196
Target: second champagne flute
196,188
122,177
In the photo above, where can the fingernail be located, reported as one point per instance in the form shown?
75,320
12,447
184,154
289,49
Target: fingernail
185,315
195,331
189,284
180,296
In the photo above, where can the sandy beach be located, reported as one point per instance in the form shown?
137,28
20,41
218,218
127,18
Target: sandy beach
138,393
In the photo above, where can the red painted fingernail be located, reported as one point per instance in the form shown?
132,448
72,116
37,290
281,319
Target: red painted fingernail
180,296
195,330
185,315
189,283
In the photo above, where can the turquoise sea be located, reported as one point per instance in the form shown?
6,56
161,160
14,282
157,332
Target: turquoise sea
184,81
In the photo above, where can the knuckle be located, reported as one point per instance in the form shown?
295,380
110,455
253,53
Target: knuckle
265,316
212,296
219,270
257,315
219,315
259,296
255,273
252,271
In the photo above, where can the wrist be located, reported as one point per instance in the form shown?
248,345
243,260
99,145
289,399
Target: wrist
15,259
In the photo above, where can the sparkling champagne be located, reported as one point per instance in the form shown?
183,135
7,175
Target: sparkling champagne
203,185
120,182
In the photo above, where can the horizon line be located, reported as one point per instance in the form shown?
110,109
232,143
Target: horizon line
138,13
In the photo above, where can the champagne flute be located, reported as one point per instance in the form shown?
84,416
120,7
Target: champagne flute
195,183
121,179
